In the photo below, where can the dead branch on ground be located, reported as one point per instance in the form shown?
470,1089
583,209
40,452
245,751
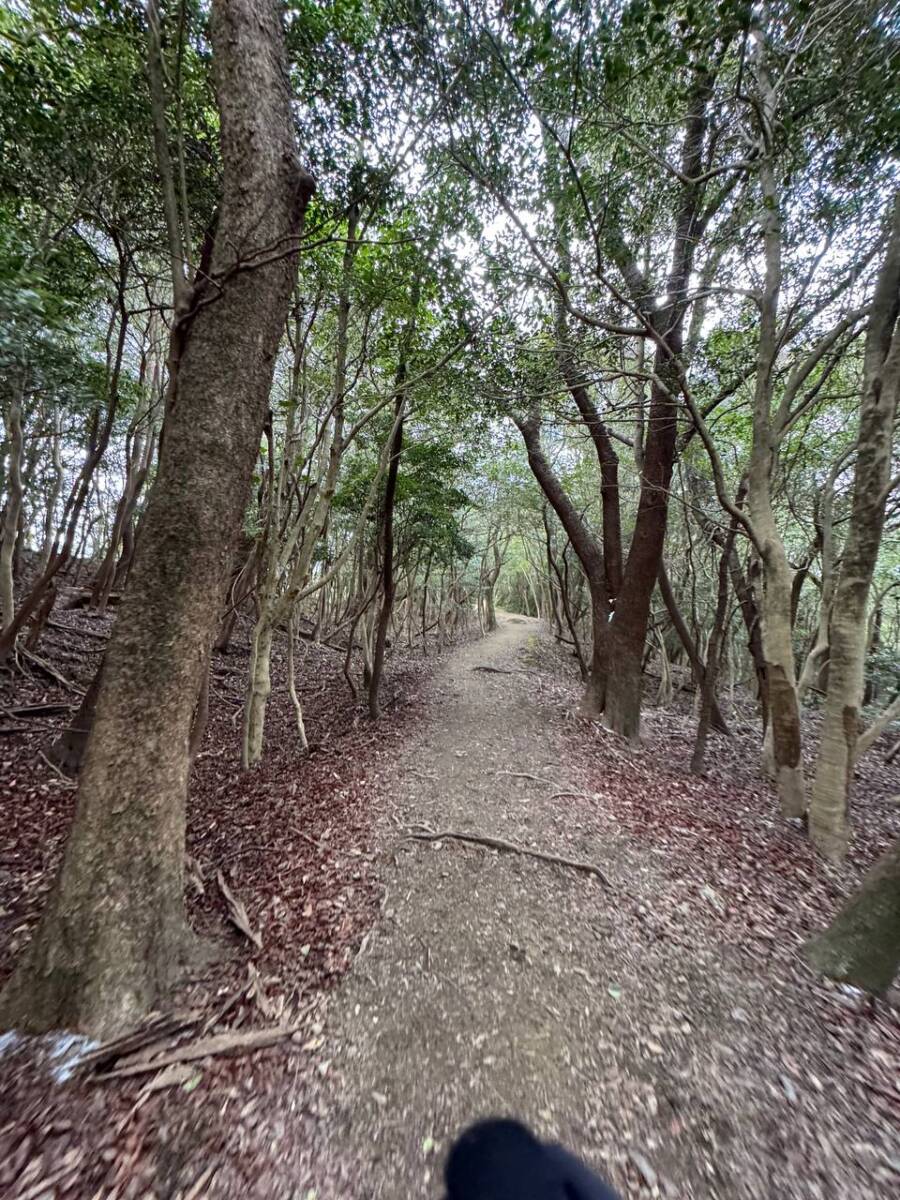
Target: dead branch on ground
493,843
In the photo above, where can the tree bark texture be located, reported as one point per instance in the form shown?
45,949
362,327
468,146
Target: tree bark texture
628,629
783,747
878,410
862,944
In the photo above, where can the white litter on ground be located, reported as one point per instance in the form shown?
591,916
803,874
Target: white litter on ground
8,1041
67,1050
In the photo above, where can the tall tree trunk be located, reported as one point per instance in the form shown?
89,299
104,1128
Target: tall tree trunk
114,932
878,410
862,944
628,629
783,737
13,509
387,549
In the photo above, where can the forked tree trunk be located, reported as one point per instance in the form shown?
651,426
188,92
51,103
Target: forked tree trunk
783,745
628,629
862,944
114,933
840,729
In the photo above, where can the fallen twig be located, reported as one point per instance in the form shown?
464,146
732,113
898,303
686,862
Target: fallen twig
224,1009
67,779
202,1180
494,670
27,712
100,635
43,1186
220,1043
49,671
155,1030
512,848
237,914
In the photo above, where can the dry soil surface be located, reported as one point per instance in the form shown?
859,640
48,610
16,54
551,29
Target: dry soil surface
496,983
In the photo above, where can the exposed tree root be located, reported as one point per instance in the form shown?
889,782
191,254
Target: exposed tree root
575,864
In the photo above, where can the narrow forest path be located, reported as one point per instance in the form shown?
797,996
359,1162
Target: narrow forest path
685,1052
474,992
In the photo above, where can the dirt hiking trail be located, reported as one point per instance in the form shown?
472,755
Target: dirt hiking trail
485,987
494,983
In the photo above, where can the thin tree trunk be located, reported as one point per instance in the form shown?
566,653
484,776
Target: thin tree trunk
259,688
698,669
276,601
138,466
292,687
114,933
716,638
53,496
13,510
387,521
